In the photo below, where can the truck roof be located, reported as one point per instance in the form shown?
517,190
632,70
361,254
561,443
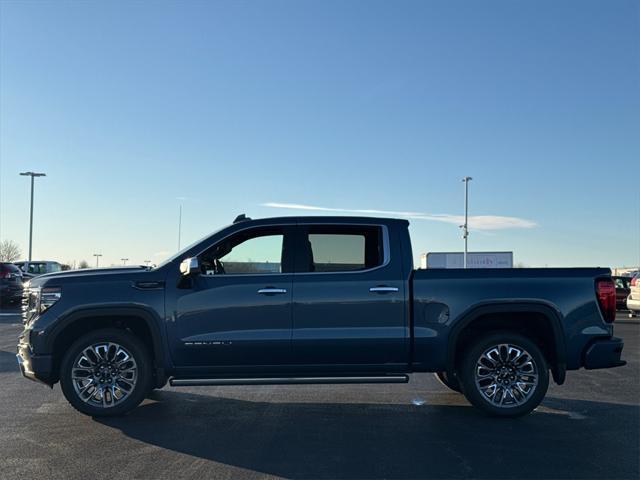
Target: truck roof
346,219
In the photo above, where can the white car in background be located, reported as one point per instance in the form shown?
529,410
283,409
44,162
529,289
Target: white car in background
633,300
37,267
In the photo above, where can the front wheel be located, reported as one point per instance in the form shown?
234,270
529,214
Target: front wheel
504,374
106,373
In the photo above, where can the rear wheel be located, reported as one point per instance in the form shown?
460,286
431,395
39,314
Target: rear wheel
106,373
449,382
504,374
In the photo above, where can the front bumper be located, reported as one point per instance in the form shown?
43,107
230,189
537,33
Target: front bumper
38,368
604,353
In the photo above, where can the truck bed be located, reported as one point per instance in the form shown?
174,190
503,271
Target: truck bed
444,299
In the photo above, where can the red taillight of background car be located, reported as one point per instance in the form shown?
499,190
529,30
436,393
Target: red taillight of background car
4,272
634,281
606,293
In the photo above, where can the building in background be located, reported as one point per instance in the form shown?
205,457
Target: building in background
474,260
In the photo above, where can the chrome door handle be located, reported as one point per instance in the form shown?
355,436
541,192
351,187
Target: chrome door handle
383,289
271,291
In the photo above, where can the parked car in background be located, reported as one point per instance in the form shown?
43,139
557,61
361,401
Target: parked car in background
10,283
633,300
622,291
38,267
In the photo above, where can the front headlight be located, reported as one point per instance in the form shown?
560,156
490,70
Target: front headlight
30,299
49,296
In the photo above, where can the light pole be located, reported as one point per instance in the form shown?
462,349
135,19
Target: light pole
465,227
124,261
97,255
179,226
32,175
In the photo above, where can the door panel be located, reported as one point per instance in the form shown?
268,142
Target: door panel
337,320
237,311
224,320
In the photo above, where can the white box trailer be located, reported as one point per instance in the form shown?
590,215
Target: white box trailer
474,260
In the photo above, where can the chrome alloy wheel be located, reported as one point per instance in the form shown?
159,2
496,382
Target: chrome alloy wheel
104,374
506,375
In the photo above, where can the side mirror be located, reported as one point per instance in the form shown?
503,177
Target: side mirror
189,266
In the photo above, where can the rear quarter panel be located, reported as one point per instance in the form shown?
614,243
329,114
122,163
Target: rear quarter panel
444,298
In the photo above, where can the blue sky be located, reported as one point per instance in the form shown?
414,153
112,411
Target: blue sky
132,108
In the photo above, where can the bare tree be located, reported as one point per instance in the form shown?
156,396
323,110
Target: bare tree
83,264
9,251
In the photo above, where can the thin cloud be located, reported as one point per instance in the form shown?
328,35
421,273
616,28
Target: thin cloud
479,222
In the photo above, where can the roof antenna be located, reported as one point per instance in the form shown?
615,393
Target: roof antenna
241,218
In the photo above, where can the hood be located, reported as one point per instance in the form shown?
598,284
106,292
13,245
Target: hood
87,274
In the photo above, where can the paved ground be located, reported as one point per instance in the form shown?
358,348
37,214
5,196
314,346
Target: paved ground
588,428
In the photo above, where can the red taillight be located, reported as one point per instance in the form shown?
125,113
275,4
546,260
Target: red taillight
5,273
606,293
634,281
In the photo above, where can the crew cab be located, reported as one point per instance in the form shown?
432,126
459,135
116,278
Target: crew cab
311,300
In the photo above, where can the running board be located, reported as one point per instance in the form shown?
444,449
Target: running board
199,382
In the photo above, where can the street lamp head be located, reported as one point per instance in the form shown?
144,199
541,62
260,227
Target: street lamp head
466,179
33,174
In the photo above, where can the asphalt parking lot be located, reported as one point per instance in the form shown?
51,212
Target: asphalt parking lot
587,428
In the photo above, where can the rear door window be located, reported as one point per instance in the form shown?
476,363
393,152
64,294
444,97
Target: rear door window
342,248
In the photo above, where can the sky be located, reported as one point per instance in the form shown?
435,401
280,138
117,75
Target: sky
274,108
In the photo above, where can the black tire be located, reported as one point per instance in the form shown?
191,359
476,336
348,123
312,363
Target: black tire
515,398
450,383
130,399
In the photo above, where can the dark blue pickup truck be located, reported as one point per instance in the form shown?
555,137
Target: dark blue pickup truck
312,300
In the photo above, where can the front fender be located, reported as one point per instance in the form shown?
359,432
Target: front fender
150,318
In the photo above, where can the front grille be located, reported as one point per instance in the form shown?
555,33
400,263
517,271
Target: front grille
29,304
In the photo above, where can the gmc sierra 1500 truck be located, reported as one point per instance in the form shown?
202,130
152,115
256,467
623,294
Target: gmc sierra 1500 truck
311,300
